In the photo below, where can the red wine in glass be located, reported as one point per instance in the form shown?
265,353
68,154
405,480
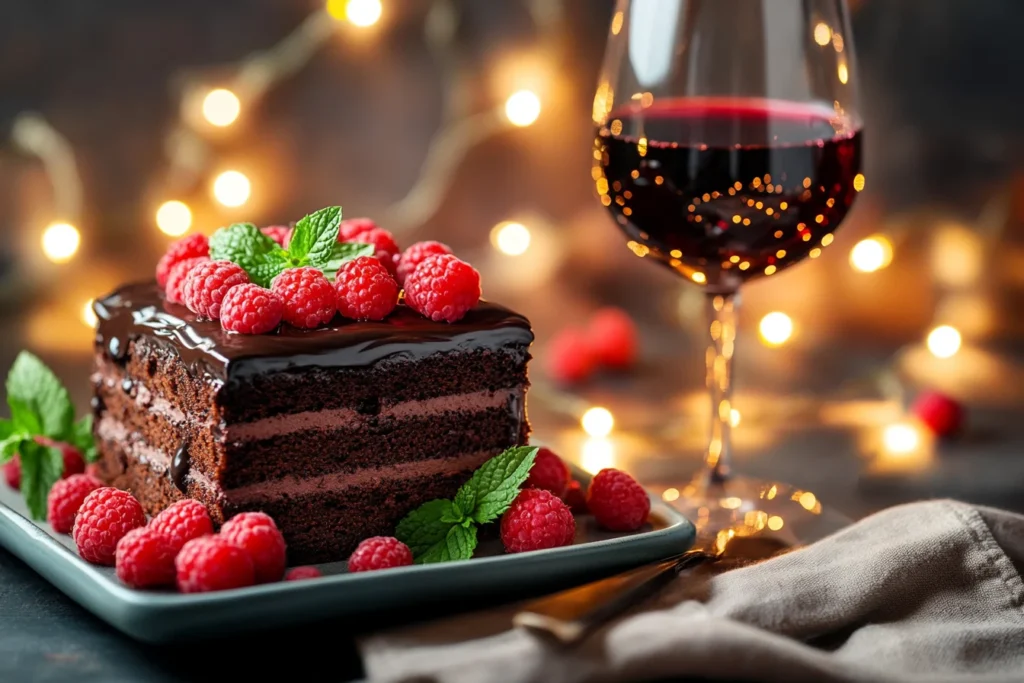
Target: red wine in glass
723,190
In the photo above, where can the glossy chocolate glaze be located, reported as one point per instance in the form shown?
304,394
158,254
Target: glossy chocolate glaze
138,311
181,464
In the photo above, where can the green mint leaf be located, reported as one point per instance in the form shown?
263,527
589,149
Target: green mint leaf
245,244
39,402
6,428
41,467
423,528
315,235
9,446
458,544
342,252
82,439
496,484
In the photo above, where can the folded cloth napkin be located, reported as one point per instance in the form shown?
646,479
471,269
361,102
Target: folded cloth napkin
923,592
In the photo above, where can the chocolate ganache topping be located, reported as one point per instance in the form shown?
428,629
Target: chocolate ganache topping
139,311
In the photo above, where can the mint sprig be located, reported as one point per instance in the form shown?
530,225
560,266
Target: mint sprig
314,242
445,530
40,407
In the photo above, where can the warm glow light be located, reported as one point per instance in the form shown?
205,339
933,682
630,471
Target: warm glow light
734,418
597,455
775,523
173,218
858,182
670,495
944,341
871,254
822,34
776,328
807,500
231,188
89,315
901,438
510,238
597,421
699,277
522,108
221,107
844,73
359,12
60,242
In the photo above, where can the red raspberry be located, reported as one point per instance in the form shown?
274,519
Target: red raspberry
207,283
12,472
181,522
443,288
379,552
212,563
568,358
174,292
613,339
259,537
617,502
93,470
548,473
145,559
281,234
308,297
301,573
250,309
387,251
106,515
187,247
942,415
65,498
74,463
366,290
576,498
353,227
537,520
417,254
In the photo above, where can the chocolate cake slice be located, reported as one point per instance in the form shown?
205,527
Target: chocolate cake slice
335,432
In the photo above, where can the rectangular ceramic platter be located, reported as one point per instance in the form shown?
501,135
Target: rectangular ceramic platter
164,616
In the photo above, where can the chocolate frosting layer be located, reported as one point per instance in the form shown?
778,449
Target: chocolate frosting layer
138,311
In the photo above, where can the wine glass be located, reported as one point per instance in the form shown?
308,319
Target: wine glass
728,148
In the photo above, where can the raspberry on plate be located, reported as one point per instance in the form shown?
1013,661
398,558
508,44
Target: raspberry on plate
940,413
549,472
576,498
365,289
384,243
145,559
568,358
258,535
379,552
212,563
180,522
416,254
308,297
190,246
106,515
65,498
207,283
536,520
617,502
250,309
353,227
613,339
175,289
12,472
302,573
443,288
281,234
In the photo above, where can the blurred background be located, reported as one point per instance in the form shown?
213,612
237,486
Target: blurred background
124,125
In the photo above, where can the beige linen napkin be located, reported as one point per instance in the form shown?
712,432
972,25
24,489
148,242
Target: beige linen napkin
922,592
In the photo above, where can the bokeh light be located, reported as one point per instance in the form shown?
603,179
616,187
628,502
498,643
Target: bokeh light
944,341
822,34
598,453
173,218
670,494
871,254
512,239
522,108
221,107
232,188
60,242
901,438
776,328
735,417
89,315
358,12
597,421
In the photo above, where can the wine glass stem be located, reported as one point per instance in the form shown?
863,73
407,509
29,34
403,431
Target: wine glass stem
721,318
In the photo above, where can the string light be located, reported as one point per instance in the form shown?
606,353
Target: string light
901,438
361,13
512,239
871,254
173,218
60,242
597,421
522,108
232,188
944,341
89,315
776,328
221,107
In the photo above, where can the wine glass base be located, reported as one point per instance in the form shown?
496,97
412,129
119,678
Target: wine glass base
744,507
